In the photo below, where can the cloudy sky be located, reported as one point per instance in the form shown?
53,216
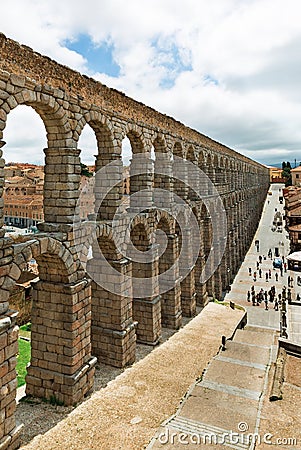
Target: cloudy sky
229,68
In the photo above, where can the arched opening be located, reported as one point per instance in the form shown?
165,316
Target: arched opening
179,172
88,146
141,174
25,138
126,156
163,185
101,167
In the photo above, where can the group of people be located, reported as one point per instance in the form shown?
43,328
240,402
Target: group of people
266,297
270,296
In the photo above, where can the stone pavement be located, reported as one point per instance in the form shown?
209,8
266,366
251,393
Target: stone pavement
227,399
128,411
229,396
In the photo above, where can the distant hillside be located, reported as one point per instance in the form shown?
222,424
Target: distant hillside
293,164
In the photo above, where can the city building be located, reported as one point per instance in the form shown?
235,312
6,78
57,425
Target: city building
292,196
296,176
23,195
275,174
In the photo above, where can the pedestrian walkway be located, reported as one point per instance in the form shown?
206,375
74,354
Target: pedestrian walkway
226,400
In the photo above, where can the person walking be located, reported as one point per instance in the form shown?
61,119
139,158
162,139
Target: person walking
260,273
266,276
254,276
276,305
250,271
266,304
260,259
276,276
248,296
270,274
281,271
257,265
285,267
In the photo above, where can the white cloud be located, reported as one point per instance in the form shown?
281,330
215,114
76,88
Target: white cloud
230,69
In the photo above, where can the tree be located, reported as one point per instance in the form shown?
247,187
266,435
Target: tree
286,173
85,171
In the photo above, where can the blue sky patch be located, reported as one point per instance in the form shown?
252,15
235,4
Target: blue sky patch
100,57
169,56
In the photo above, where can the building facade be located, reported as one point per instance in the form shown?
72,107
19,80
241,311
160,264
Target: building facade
296,176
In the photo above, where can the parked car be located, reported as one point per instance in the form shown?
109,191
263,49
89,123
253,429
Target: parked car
277,263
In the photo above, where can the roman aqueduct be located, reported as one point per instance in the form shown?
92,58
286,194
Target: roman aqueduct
81,311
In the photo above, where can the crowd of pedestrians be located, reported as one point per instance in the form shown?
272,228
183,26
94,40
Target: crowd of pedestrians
269,296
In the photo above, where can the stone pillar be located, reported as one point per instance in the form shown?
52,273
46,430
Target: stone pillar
113,334
163,180
188,294
142,176
171,310
61,367
109,181
61,185
9,431
207,249
201,288
211,175
179,169
147,308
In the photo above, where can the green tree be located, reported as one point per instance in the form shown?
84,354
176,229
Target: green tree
286,174
85,171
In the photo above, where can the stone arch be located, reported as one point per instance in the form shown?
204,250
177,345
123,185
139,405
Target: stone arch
141,168
190,154
178,150
201,159
136,137
47,251
159,143
162,173
54,117
102,128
